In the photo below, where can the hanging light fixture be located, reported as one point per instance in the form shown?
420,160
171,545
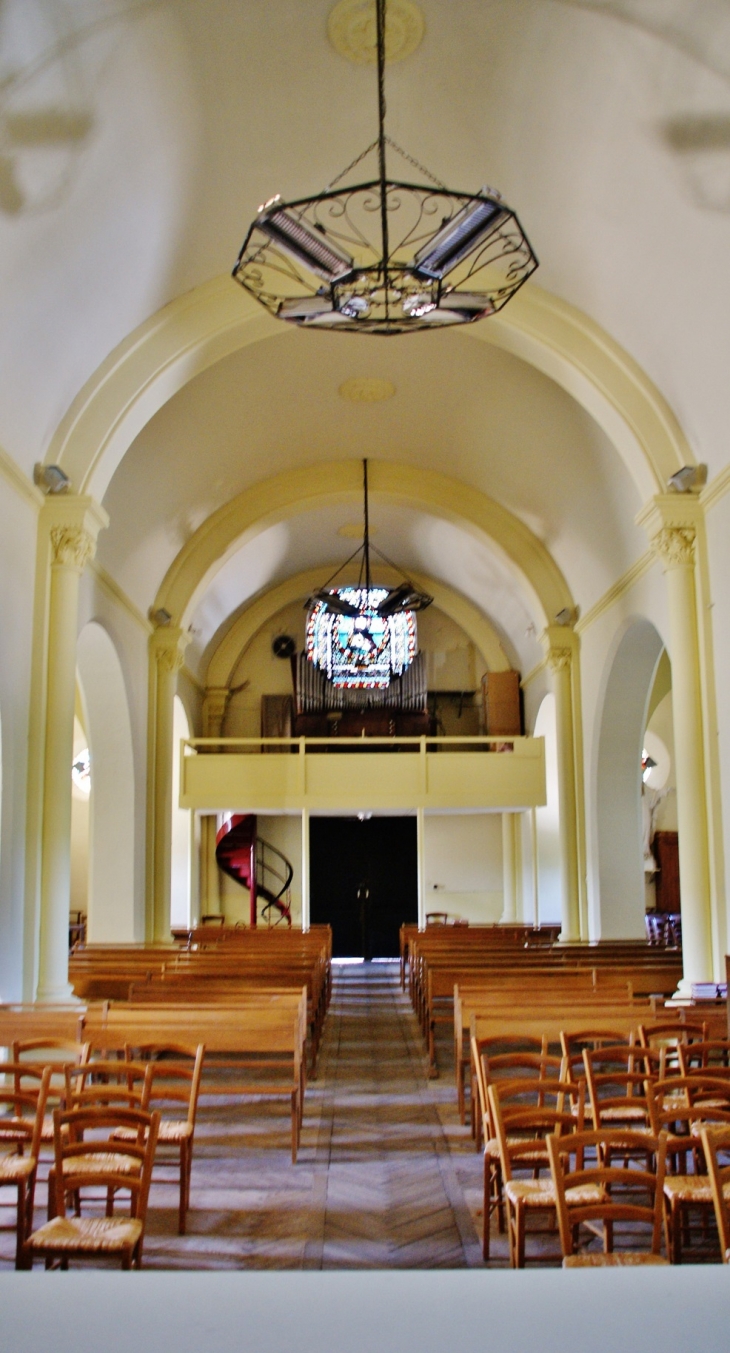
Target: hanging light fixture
364,634
385,256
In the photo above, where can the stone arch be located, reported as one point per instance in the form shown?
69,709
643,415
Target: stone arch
215,319
295,491
631,671
112,914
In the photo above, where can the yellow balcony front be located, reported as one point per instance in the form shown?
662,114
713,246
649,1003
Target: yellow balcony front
279,775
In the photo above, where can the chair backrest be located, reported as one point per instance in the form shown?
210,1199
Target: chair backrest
176,1070
710,1055
127,1084
64,1050
525,1111
616,1078
714,1144
89,1157
618,1189
677,1102
512,1066
670,1035
573,1044
25,1108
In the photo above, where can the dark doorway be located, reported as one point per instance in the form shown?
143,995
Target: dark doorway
363,882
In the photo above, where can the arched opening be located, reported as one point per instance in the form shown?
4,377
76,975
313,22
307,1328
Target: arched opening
619,809
111,903
180,864
80,819
548,819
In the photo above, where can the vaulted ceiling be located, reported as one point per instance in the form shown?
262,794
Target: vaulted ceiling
138,138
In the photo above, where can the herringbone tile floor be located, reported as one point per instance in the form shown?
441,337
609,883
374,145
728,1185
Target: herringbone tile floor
386,1175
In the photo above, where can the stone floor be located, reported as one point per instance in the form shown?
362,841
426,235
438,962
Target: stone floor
386,1176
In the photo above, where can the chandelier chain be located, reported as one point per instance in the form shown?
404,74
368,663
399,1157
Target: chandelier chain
416,163
353,165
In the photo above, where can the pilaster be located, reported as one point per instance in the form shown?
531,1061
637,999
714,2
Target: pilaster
69,526
167,645
561,646
673,523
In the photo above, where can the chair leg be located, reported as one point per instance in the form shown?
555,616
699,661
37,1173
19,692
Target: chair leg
20,1223
487,1212
183,1189
520,1236
676,1232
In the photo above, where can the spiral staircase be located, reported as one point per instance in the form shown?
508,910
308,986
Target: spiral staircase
256,865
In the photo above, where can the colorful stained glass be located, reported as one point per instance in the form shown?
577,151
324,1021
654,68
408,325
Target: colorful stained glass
365,650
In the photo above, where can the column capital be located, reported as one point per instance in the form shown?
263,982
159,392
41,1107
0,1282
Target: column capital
215,702
168,644
560,643
73,523
671,521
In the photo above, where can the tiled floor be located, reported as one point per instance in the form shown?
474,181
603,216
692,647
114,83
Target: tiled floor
386,1176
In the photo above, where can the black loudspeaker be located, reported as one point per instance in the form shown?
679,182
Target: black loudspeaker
284,646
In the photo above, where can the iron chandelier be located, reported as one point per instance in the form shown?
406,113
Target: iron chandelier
385,256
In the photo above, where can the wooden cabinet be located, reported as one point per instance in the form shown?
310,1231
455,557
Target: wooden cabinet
666,854
502,704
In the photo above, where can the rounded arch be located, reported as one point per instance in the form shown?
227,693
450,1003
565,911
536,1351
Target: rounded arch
216,319
632,666
228,652
112,912
286,495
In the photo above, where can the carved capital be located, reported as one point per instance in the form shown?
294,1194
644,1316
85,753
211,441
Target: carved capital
71,547
675,546
558,659
169,645
214,709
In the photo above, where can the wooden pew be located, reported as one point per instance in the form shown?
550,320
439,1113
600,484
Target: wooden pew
239,1037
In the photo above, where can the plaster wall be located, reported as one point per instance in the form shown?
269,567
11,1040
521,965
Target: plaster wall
18,518
128,632
463,858
718,547
644,597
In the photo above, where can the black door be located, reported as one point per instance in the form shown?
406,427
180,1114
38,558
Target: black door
363,882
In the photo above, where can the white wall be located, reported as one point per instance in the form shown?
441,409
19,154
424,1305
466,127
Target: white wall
548,819
111,912
181,862
18,941
463,865
617,790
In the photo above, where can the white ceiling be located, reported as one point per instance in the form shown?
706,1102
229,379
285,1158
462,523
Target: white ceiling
139,138
413,540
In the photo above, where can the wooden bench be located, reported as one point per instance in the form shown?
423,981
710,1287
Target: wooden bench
239,1037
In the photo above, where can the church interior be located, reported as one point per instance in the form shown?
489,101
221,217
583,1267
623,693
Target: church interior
364,743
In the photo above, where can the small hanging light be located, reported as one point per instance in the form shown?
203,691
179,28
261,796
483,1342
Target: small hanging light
385,256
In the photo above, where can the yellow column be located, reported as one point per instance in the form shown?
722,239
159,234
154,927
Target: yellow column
510,868
673,535
306,890
214,710
167,648
421,866
73,524
559,641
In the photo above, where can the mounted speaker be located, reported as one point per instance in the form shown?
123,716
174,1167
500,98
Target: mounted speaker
284,646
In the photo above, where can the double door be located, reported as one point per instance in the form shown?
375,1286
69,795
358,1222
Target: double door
363,882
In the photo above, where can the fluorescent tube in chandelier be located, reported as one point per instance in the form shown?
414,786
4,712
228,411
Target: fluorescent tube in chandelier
385,256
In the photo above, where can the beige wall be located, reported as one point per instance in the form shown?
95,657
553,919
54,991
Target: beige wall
463,858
